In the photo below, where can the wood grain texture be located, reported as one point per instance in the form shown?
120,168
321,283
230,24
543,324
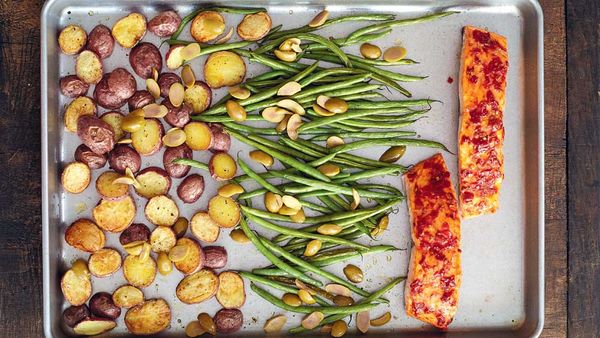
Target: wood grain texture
583,62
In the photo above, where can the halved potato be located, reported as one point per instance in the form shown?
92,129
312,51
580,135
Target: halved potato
198,96
104,262
149,317
114,216
85,235
198,135
139,272
194,260
76,177
127,296
207,25
76,289
82,105
153,181
254,26
224,68
109,190
224,210
72,39
94,326
88,67
148,140
204,228
231,293
222,166
129,30
197,287
162,239
161,210
114,119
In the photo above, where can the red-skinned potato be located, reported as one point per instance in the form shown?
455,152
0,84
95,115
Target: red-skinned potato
129,30
148,140
114,119
165,80
140,99
115,88
85,235
177,170
144,58
85,155
88,67
177,116
198,135
164,24
197,287
228,320
221,140
106,97
149,317
194,259
72,86
96,134
153,181
101,42
222,166
71,39
102,305
215,257
135,232
198,96
75,314
191,188
94,326
114,216
173,57
122,157
80,106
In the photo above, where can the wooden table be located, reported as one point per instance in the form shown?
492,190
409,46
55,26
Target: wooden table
572,248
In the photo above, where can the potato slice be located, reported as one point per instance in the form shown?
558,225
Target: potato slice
149,317
224,68
153,181
88,67
82,105
161,210
114,119
222,166
198,135
104,262
139,272
224,210
231,293
72,39
109,190
129,30
148,140
207,25
127,296
76,177
76,289
194,260
94,326
162,239
204,228
197,287
254,26
114,216
198,96
85,235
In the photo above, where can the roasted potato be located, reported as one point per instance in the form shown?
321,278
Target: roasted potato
153,181
104,262
231,293
224,210
221,140
194,259
105,97
204,228
139,272
85,235
162,239
127,296
254,26
101,42
85,155
72,86
228,320
115,88
140,99
129,30
177,116
198,97
76,289
114,216
177,170
173,58
75,314
207,25
76,177
165,80
94,326
135,232
144,58
164,24
122,157
96,134
148,140
191,188
81,106
88,67
198,135
109,190
149,317
222,166
215,257
114,119
161,211
224,68
197,287
102,305
71,39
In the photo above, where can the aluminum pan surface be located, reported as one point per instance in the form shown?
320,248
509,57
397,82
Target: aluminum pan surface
502,291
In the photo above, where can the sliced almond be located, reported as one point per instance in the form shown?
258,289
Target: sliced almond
190,51
153,88
312,320
178,253
287,45
300,285
334,141
124,141
291,202
319,19
145,253
194,329
275,324
238,92
174,137
130,174
292,106
287,211
289,89
155,110
299,217
176,94
281,126
394,54
293,124
230,189
338,289
362,321
285,56
321,99
154,74
225,37
321,111
356,200
297,48
274,114
188,76
381,320
123,180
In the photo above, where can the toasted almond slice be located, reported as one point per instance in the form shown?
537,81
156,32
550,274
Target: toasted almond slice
362,321
293,124
322,111
286,46
188,76
174,137
178,253
312,320
123,180
238,92
129,173
176,94
299,217
281,126
194,329
394,54
153,87
292,106
190,51
230,189
381,320
297,48
321,99
287,211
225,37
154,110
319,19
356,202
124,141
275,324
154,74
291,202
285,56
338,289
145,254
134,248
334,141
273,114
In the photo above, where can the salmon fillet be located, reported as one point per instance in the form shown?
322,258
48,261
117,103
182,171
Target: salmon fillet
434,274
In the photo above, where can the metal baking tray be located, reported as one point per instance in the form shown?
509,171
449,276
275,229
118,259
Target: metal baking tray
503,264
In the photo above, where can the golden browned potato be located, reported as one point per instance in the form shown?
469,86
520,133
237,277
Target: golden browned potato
153,181
162,239
148,140
129,30
127,296
94,326
198,97
224,210
104,262
222,166
207,25
82,105
161,211
149,317
231,293
204,228
138,271
71,39
254,26
76,288
194,260
224,68
76,177
88,67
197,287
114,216
109,190
85,235
114,119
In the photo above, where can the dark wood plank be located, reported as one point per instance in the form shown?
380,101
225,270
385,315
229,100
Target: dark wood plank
583,62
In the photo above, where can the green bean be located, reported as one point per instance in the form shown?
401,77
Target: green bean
191,163
342,41
272,31
268,75
274,259
365,135
370,124
314,206
266,175
351,160
378,172
186,19
281,147
241,127
352,235
244,166
224,118
351,114
389,104
389,143
251,194
277,285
